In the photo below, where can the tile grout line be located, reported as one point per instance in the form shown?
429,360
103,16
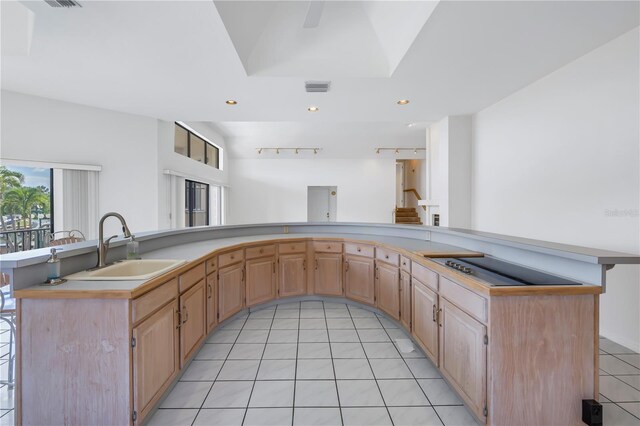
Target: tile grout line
255,379
369,363
333,367
295,370
219,371
413,375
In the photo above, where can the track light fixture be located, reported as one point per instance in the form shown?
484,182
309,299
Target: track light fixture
284,149
397,150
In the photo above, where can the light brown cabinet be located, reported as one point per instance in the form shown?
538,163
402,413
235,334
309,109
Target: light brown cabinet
328,274
388,288
155,357
292,275
193,324
230,291
463,355
212,301
359,279
424,319
405,299
261,280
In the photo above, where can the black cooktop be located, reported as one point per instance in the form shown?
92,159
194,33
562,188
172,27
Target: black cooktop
499,272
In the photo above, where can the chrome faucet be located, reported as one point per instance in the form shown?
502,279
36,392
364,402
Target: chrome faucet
103,246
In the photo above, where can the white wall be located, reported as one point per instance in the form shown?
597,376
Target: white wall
449,157
132,150
553,160
40,129
276,190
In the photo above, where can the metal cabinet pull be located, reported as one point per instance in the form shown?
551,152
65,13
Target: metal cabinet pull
210,289
434,313
186,315
179,319
304,264
440,317
346,264
316,264
242,279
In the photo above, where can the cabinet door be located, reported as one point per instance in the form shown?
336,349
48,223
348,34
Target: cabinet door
463,355
155,357
230,291
261,280
212,302
405,299
359,279
328,274
293,276
388,287
193,321
424,320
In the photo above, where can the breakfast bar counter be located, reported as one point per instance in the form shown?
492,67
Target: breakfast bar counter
498,346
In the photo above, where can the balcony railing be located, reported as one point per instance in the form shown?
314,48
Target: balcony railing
24,239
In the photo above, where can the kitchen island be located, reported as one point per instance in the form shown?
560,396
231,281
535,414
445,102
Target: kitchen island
106,352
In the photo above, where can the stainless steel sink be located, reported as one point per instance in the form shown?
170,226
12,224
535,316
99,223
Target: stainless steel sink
141,269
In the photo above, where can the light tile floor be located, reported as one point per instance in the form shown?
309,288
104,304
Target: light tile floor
310,363
619,384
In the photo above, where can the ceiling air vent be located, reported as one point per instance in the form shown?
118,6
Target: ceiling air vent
63,3
317,86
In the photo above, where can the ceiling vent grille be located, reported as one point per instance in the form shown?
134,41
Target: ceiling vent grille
63,3
317,86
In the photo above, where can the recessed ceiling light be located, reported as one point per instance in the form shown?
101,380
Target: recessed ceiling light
313,109
231,102
403,101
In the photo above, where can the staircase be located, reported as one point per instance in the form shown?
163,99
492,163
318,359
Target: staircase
407,216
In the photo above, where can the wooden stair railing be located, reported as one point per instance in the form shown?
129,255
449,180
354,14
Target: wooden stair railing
414,192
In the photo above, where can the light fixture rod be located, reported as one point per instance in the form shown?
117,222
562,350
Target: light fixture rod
277,149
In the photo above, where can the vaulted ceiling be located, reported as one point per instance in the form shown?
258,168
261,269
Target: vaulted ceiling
180,60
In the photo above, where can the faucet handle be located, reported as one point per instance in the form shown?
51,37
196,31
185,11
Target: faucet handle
106,243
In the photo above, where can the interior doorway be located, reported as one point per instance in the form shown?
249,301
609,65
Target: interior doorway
322,203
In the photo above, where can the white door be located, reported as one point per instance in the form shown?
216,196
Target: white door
399,184
318,209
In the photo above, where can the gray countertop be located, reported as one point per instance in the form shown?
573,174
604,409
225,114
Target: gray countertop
193,251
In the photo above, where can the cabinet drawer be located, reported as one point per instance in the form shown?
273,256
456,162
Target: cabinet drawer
425,275
146,304
327,247
387,256
405,264
467,300
212,264
192,276
261,251
230,258
358,249
286,248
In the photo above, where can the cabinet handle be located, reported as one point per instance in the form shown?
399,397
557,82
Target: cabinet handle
434,313
316,264
186,315
261,251
346,264
242,279
179,319
304,264
359,250
328,247
386,256
210,290
440,317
